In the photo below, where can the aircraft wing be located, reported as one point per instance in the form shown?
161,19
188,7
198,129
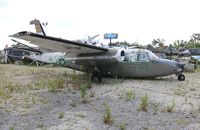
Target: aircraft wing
53,44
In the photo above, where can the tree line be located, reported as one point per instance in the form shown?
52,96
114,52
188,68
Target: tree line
194,42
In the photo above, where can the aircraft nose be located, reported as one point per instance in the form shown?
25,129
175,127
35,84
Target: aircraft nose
173,66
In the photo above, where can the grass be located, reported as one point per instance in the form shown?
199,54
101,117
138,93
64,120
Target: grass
55,84
171,107
61,115
81,114
12,128
198,68
18,81
122,126
155,107
198,107
182,121
52,86
2,93
130,95
41,125
73,104
83,92
21,86
107,115
92,93
144,103
180,92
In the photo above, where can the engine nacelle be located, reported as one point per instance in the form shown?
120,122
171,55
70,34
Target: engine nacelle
119,54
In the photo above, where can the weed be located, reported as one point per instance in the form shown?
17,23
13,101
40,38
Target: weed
155,107
180,92
122,126
192,89
198,68
73,104
41,125
61,115
39,84
186,99
26,100
10,87
2,93
92,93
59,82
81,114
65,74
12,128
55,84
107,115
181,121
51,86
198,107
144,103
33,98
74,75
44,100
83,91
130,95
171,107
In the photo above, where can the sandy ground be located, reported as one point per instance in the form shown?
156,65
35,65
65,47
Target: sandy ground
41,109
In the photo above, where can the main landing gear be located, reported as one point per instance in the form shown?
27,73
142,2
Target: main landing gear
96,76
181,77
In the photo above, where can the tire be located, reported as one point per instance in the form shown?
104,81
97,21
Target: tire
181,77
96,79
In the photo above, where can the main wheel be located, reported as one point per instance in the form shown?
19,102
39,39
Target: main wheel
181,77
96,78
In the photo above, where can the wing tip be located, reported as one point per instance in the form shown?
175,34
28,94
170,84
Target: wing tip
19,34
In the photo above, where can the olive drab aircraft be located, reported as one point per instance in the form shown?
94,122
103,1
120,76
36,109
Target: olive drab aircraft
106,62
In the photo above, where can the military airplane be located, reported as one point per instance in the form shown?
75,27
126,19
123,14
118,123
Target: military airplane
100,61
108,62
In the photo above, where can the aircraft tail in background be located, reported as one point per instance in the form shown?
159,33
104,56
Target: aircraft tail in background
38,27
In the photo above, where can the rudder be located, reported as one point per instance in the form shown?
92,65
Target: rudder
38,27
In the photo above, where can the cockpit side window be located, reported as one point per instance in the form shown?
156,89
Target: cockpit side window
130,57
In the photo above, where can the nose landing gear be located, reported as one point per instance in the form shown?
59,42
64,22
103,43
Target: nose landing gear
181,77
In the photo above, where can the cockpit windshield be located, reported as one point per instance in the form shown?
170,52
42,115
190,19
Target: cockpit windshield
152,56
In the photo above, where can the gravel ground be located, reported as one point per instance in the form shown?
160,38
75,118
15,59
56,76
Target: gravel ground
172,105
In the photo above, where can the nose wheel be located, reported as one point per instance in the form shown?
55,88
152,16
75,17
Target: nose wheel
181,77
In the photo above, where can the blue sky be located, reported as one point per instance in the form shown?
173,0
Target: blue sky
134,20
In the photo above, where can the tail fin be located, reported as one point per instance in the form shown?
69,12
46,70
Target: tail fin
38,27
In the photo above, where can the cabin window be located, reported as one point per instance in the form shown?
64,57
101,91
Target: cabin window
131,57
122,53
142,57
139,56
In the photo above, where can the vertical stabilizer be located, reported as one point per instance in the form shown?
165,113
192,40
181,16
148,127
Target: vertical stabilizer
38,27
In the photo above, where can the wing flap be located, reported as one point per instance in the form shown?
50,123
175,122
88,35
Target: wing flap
53,44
